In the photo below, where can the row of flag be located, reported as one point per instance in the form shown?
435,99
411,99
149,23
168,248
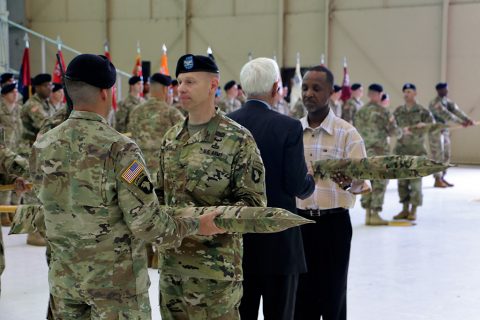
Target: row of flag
25,86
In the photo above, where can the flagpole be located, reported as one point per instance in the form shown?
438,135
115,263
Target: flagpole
27,40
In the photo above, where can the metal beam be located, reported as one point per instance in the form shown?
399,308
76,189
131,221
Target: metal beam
281,33
186,24
444,43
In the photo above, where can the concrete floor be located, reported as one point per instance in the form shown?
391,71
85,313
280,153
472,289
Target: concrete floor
429,271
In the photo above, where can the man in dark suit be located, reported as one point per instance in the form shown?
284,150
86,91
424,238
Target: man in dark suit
273,262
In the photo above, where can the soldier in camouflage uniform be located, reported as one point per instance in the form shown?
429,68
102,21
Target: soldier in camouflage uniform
411,115
444,110
149,121
10,135
99,206
352,105
129,103
57,97
230,102
375,124
12,169
206,160
36,109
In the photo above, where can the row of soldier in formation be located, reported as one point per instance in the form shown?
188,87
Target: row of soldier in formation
97,175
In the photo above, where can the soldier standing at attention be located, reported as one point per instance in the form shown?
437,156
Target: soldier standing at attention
99,205
444,110
206,160
335,102
57,96
352,105
10,135
37,108
129,103
375,124
230,102
411,115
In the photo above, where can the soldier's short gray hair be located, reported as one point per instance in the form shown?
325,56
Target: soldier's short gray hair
258,76
82,93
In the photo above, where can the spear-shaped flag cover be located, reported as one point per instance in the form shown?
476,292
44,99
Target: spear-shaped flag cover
379,168
249,219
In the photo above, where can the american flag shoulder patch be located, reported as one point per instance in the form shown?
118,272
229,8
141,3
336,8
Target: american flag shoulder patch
132,171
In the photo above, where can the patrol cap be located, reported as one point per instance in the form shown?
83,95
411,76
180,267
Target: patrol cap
9,88
41,78
337,88
134,79
229,85
441,85
161,78
56,87
356,86
5,77
375,87
96,70
409,86
195,63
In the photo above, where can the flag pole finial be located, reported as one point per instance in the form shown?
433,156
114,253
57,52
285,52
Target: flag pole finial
105,46
322,59
209,50
164,48
345,61
59,43
26,38
138,46
275,56
250,56
298,57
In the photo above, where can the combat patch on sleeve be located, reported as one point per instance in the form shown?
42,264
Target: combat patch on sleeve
144,184
132,171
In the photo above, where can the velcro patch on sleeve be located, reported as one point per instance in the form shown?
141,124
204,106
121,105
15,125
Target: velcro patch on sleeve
132,171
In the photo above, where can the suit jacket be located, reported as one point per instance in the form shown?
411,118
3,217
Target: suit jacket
280,141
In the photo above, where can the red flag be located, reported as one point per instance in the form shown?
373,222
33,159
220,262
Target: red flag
114,89
57,74
137,69
164,62
346,91
25,82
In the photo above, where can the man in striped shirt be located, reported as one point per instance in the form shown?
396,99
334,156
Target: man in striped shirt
322,290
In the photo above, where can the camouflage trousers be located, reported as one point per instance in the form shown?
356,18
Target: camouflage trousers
187,298
410,191
440,148
131,308
374,199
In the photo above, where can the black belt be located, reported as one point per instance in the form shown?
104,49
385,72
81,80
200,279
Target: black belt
318,212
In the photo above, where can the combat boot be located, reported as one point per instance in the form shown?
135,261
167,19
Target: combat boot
439,183
412,216
5,220
376,220
447,183
403,214
367,217
36,239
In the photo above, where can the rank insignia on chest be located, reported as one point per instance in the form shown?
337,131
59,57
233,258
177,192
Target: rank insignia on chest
132,171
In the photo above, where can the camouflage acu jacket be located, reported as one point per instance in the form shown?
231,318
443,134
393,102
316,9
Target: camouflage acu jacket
411,144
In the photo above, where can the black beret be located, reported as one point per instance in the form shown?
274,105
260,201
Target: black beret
337,88
356,86
5,77
161,78
192,63
385,96
56,87
9,88
41,79
441,85
375,87
134,79
229,85
409,86
96,70
174,82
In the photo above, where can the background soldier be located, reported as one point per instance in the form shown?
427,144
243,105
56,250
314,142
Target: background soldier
230,102
207,160
375,124
410,116
444,110
335,102
99,205
10,135
57,97
129,103
352,105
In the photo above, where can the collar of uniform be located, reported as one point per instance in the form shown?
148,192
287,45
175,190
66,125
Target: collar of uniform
327,123
204,135
86,115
